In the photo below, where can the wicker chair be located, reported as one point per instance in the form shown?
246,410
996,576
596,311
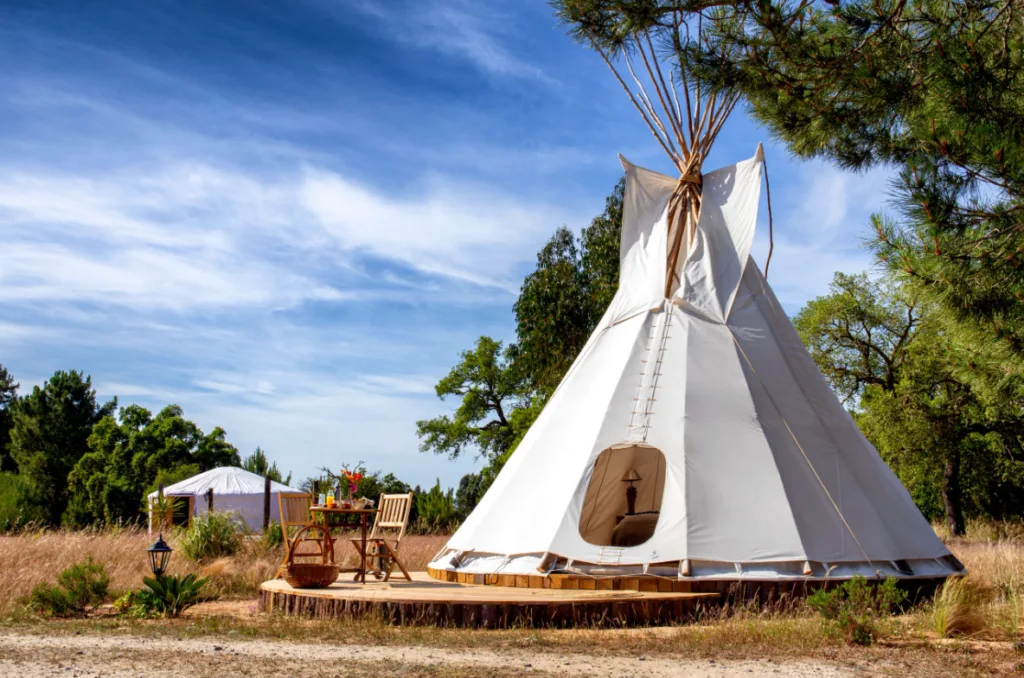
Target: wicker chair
386,536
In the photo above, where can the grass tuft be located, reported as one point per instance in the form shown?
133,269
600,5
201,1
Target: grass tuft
959,609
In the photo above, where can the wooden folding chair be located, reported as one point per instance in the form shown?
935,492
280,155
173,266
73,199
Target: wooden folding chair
293,508
392,515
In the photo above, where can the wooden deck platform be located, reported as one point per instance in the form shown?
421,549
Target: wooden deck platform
428,601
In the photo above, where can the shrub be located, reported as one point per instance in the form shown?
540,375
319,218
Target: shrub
958,609
18,504
172,594
212,535
140,604
79,587
853,607
273,536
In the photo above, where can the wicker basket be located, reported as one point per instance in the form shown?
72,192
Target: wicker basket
310,575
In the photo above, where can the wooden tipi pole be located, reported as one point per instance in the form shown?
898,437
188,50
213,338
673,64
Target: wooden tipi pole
685,138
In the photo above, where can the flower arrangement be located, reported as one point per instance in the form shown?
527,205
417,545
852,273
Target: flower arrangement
347,485
350,482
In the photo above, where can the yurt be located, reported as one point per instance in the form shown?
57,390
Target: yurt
233,489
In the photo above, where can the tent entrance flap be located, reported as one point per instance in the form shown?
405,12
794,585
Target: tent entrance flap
623,500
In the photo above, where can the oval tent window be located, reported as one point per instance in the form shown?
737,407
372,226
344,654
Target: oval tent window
623,500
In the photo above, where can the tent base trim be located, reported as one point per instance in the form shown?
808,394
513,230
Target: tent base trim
732,591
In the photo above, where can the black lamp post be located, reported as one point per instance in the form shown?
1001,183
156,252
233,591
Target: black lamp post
159,555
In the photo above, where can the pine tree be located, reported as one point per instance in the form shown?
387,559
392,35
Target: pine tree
934,88
8,396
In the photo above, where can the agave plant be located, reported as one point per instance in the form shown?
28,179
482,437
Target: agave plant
174,594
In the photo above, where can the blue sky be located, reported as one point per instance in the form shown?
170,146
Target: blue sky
290,217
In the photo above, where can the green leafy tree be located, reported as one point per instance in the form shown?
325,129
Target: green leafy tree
131,454
562,300
958,453
166,477
551,312
858,333
8,396
376,483
503,391
258,463
955,448
18,505
490,389
50,434
469,493
214,451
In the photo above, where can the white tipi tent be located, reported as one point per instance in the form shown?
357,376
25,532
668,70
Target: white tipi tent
234,489
694,436
697,384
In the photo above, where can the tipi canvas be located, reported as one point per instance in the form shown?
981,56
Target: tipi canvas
694,437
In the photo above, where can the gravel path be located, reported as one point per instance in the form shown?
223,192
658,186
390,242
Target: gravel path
83,655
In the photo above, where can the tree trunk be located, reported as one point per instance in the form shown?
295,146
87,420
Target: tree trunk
951,497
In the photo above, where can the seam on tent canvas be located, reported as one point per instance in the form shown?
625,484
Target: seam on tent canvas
762,283
811,401
802,452
628,317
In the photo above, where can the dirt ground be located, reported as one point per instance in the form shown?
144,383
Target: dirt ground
81,655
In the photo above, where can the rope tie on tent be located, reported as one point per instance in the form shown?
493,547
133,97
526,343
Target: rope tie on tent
685,121
807,459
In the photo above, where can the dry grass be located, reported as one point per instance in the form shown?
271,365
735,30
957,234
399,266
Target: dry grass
993,588
958,609
984,615
29,558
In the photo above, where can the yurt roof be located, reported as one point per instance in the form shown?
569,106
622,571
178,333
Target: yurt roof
225,480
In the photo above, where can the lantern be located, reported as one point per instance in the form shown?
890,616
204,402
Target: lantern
159,555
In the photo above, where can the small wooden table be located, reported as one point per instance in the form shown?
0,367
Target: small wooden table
363,514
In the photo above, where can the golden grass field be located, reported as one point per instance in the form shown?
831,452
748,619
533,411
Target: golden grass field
32,557
973,627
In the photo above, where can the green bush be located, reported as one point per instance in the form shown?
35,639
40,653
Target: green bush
140,604
854,607
273,536
82,586
212,535
18,504
171,594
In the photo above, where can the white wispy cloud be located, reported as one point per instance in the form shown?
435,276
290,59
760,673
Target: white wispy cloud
818,212
194,235
477,32
462,231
